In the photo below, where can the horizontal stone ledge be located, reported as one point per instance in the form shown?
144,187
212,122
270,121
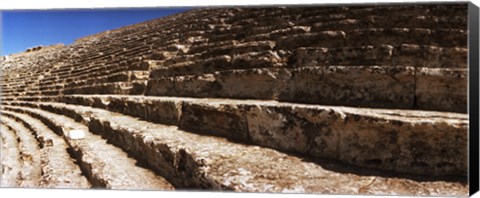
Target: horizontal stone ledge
194,66
198,161
318,12
372,86
409,141
133,87
371,36
114,76
324,39
233,47
392,21
362,86
393,10
398,36
386,55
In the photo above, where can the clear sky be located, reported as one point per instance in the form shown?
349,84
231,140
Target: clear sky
24,29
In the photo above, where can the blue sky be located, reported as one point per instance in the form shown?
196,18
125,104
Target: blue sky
24,29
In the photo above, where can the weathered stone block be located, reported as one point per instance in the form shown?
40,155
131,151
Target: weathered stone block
278,128
358,56
159,87
413,142
138,87
317,39
163,111
443,89
430,56
255,83
220,120
410,141
371,86
134,107
399,36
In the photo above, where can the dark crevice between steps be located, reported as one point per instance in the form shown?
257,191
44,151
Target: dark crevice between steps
86,169
83,172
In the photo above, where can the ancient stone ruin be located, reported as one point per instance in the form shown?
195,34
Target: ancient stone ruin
320,99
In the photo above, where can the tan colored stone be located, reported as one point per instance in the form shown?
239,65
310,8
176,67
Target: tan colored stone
442,89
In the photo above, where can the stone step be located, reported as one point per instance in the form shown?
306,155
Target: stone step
366,86
97,57
11,164
347,22
442,89
198,66
384,55
208,50
16,94
30,173
140,50
96,73
75,76
110,78
303,15
66,68
133,87
93,70
396,17
50,92
393,21
58,169
57,86
398,36
203,46
19,81
194,161
373,36
255,29
29,98
14,83
11,90
105,165
320,131
47,84
72,69
393,10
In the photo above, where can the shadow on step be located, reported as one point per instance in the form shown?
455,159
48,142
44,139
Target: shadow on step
341,167
345,168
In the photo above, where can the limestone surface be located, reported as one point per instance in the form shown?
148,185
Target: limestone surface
357,99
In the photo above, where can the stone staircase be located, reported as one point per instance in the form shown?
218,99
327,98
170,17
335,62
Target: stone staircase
337,100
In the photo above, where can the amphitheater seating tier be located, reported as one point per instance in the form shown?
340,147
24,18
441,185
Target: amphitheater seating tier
320,99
